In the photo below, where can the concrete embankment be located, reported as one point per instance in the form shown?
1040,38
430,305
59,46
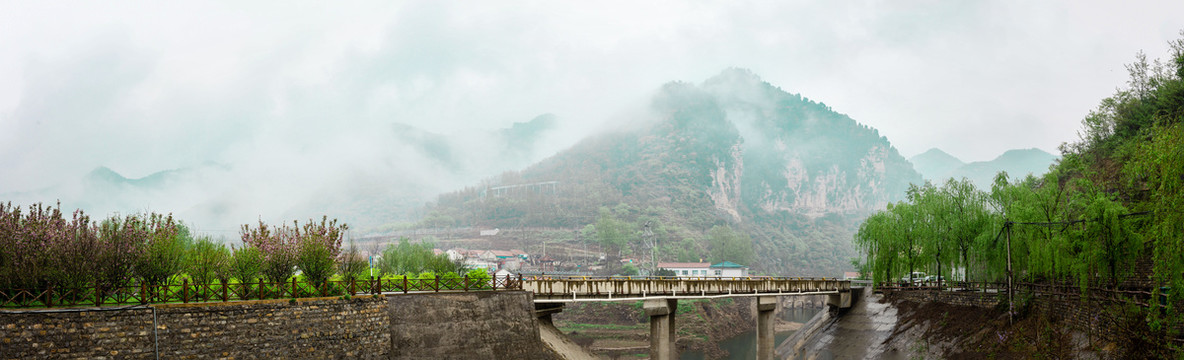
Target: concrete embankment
856,333
562,345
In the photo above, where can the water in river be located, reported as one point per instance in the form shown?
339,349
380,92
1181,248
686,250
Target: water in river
743,346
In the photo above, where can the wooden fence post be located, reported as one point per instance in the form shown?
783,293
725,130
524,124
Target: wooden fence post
99,297
404,284
294,287
225,296
143,293
185,290
260,288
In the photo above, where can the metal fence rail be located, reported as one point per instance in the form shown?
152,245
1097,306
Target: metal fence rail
573,287
186,292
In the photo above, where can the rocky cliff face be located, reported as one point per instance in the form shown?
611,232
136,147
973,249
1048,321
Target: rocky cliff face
801,157
725,183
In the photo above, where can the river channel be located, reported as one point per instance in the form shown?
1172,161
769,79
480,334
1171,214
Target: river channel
743,346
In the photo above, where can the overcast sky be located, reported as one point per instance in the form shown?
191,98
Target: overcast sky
144,87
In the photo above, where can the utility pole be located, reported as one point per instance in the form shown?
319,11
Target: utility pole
652,242
1010,290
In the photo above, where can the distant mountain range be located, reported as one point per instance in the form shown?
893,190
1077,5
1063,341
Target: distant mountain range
937,166
390,186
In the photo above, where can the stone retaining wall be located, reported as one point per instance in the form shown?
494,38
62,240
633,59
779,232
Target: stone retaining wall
306,328
473,325
437,326
1091,317
964,298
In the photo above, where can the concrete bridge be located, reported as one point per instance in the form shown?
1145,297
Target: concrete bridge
660,298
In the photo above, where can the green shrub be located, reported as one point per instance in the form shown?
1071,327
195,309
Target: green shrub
315,261
351,264
165,250
208,261
246,264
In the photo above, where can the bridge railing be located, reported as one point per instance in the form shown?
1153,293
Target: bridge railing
577,286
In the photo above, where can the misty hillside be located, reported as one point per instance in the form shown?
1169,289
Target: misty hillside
935,165
391,185
791,173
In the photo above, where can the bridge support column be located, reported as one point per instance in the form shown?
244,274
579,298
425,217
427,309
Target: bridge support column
662,336
543,311
842,300
766,306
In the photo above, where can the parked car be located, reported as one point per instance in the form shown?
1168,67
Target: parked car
935,278
915,278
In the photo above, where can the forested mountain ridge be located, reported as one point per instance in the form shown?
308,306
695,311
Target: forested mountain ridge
937,166
787,172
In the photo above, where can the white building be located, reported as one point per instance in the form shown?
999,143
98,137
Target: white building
728,269
689,270
681,269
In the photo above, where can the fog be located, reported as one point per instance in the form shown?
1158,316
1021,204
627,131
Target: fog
278,111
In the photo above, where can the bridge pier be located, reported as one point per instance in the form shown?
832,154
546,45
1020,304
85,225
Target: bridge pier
766,306
842,300
662,335
543,311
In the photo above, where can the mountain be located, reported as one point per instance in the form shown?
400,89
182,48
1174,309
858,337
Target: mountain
935,165
389,181
791,173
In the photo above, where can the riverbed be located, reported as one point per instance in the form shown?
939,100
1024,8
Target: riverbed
743,346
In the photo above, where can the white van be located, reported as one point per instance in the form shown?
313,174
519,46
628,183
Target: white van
916,278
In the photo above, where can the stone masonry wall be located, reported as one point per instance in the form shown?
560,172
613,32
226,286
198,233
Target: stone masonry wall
978,299
302,329
474,325
1092,317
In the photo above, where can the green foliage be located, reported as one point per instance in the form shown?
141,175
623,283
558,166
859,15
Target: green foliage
613,234
629,270
479,278
208,260
729,245
246,264
315,261
165,250
351,264
1114,198
407,258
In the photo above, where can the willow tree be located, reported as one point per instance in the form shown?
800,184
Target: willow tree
909,229
966,212
1162,162
878,241
933,222
1108,245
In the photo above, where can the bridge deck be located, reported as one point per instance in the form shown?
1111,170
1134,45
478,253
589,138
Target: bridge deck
573,289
